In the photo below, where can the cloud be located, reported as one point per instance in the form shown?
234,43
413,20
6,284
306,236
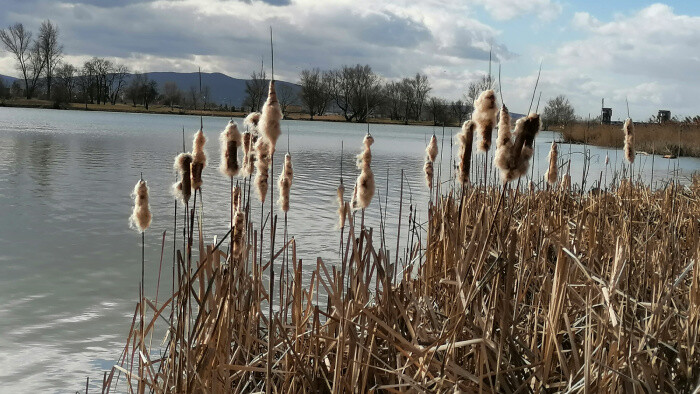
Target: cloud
509,9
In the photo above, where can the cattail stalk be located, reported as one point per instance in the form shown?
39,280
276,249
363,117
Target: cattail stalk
552,171
262,164
284,183
248,153
466,139
183,190
484,116
513,157
230,140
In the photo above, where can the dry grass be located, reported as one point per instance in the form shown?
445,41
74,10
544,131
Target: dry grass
679,139
511,291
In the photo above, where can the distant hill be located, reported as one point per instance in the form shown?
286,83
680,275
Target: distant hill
224,89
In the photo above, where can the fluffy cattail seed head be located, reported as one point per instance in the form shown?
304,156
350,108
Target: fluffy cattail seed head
431,150
262,164
513,159
365,188
552,171
504,141
230,140
251,122
140,218
238,234
484,116
628,128
341,205
183,190
465,139
236,198
248,153
270,126
199,159
428,169
284,183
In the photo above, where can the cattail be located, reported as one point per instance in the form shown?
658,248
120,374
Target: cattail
365,188
341,205
248,153
199,159
484,116
230,140
364,185
182,190
140,218
262,164
432,150
628,128
269,125
236,198
465,138
238,234
364,159
515,163
284,183
353,199
552,174
607,159
565,182
504,140
251,122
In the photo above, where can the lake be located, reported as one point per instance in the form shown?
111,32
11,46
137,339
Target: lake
70,265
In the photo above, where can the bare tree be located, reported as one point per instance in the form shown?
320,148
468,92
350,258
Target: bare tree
65,80
18,41
314,93
286,97
149,90
256,90
392,99
408,98
437,108
422,87
51,51
205,95
193,96
172,94
475,88
134,90
356,91
115,81
460,110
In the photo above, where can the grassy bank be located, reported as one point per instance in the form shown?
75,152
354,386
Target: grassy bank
673,139
166,110
501,290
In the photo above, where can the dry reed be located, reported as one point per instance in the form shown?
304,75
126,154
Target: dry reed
534,294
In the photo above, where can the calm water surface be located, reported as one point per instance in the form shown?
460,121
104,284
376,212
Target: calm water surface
70,265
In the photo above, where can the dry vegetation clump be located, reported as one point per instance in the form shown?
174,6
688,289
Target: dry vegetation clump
676,139
524,291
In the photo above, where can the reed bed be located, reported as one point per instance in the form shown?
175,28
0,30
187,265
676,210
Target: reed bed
504,289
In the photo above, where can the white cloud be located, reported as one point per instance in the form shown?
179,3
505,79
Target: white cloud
509,9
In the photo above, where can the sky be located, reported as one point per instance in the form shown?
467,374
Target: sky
640,51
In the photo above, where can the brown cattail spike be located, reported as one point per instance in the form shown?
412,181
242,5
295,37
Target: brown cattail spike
269,125
262,164
199,159
465,139
236,198
552,171
230,140
431,152
248,153
140,218
504,140
284,183
182,190
628,129
484,116
513,158
238,234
